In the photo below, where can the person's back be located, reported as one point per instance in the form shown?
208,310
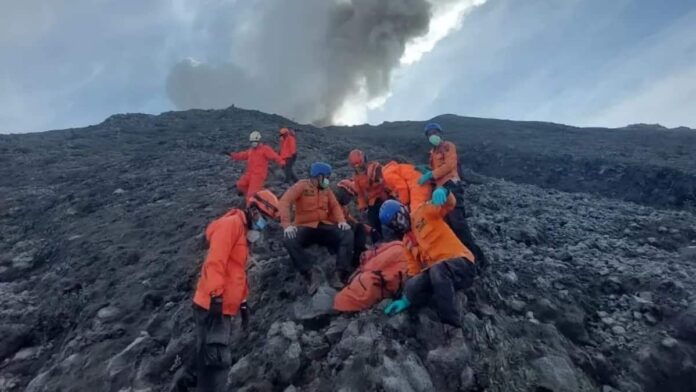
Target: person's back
435,240
402,180
288,144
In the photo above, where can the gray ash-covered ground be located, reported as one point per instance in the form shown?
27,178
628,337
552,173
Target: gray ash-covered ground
102,239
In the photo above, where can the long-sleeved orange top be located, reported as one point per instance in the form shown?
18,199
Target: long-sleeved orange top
431,240
224,269
401,179
288,145
312,206
444,163
257,159
368,194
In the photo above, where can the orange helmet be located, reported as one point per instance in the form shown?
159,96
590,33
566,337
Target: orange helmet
284,131
374,172
266,202
348,186
356,158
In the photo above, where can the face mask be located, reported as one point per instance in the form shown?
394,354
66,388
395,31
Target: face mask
254,144
253,236
435,140
325,183
260,224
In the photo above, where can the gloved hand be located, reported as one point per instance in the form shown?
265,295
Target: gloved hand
439,196
290,232
343,226
427,176
245,313
397,306
215,307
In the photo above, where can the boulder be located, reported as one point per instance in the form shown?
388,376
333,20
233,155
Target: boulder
555,373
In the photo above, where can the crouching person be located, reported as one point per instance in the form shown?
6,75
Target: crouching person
318,220
438,263
222,291
345,193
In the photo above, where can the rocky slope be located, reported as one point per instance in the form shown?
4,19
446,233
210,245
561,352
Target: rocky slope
102,240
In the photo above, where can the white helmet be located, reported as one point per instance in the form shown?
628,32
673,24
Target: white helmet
255,136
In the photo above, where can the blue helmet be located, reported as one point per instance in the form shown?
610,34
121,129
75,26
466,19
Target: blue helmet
320,169
432,127
388,211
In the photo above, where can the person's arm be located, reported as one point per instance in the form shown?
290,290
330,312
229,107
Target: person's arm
398,186
288,199
450,151
240,155
221,244
271,154
432,211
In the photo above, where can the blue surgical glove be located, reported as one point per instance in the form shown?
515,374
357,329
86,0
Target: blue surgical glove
397,306
425,178
439,196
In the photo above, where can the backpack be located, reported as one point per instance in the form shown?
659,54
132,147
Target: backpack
381,275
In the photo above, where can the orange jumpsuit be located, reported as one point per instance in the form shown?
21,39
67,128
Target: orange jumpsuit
368,194
256,172
312,206
401,179
224,269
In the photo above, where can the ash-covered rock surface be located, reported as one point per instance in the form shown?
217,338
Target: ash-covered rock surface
102,239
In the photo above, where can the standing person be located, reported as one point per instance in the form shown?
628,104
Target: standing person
288,152
221,292
257,158
370,194
444,174
438,264
318,220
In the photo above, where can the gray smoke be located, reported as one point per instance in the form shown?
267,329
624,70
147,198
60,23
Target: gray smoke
304,59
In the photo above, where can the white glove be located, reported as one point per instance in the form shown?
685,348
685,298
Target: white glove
290,232
344,226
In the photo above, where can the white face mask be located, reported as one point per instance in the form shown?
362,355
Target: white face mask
254,144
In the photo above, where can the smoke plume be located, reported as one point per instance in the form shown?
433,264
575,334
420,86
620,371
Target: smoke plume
306,59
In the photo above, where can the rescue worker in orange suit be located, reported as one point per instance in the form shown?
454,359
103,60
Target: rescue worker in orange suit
345,193
222,290
288,152
438,263
257,158
401,180
444,175
318,220
370,194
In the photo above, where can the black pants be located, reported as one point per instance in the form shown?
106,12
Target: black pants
359,243
336,240
456,220
197,373
439,282
289,172
373,220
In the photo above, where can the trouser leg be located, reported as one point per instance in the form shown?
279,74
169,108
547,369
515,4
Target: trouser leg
359,243
373,220
255,184
446,277
289,172
243,184
209,379
457,221
418,289
305,237
342,242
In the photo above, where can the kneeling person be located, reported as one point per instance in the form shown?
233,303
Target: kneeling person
318,220
438,263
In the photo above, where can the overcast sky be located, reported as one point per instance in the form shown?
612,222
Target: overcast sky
70,63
